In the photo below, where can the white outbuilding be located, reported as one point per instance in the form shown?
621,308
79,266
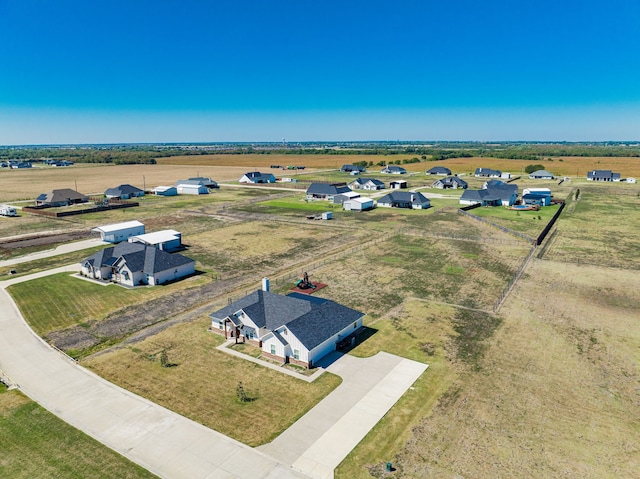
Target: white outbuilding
358,204
165,240
118,232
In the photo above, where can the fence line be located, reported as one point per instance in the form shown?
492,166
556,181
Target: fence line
517,234
516,276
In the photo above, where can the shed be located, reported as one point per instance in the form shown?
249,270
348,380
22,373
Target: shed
165,191
398,185
192,189
342,197
115,233
165,240
358,204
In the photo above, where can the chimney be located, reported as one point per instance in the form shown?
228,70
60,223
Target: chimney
265,284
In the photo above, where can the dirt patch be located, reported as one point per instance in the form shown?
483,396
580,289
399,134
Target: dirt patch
43,240
135,318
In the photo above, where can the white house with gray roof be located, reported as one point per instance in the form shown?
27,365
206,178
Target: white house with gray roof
296,328
134,264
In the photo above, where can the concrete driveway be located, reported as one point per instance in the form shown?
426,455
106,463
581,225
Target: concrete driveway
318,442
62,249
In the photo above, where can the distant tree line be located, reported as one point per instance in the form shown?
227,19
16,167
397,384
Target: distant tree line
147,154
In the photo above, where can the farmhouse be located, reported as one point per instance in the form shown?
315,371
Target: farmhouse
358,204
124,192
494,193
255,177
450,182
603,175
296,328
405,199
165,240
438,170
398,184
487,173
62,197
324,191
393,170
165,191
352,168
191,187
370,184
120,231
134,264
541,175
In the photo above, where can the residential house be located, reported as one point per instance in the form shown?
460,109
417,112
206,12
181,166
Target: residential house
370,184
62,197
358,204
166,240
134,264
297,328
450,182
494,193
405,199
487,173
255,177
124,192
603,175
118,232
393,170
438,170
165,191
325,191
541,175
352,168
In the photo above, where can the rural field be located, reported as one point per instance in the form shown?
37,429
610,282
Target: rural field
35,443
547,385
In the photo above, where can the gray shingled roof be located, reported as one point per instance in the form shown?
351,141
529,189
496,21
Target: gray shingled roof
404,197
139,257
62,195
312,320
125,189
325,189
439,170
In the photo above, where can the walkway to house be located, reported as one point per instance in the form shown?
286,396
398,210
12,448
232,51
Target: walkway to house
318,442
163,442
62,249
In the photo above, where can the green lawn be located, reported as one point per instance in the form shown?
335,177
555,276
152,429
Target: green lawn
47,263
34,443
59,301
528,222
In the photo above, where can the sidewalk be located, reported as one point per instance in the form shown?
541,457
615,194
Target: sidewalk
62,249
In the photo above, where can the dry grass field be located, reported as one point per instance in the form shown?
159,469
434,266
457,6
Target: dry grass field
202,384
557,392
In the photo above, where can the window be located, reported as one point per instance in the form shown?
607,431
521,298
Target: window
221,324
273,349
284,331
296,354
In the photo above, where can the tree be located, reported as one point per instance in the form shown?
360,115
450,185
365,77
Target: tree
531,168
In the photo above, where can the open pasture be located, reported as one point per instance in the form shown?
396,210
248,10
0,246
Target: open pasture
26,184
557,392
450,271
599,229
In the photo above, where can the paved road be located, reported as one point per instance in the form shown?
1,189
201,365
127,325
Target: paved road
62,249
163,442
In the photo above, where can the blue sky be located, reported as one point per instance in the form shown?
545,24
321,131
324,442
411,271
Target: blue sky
152,71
